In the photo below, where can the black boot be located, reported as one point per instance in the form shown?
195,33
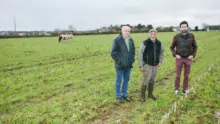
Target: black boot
120,100
150,91
126,99
143,91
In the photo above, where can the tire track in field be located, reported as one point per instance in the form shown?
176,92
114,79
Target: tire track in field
56,65
49,82
45,77
7,69
41,63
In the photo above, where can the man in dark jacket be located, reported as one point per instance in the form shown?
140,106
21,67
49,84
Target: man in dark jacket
123,52
183,48
150,58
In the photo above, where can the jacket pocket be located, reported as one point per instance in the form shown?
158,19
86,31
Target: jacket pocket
126,61
118,62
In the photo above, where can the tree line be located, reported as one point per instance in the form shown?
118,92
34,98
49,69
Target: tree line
112,29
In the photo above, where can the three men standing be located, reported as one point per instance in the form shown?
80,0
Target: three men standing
150,57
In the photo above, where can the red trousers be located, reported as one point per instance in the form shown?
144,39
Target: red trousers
186,64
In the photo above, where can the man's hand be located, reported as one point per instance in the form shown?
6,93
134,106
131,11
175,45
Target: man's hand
159,65
178,56
190,57
142,69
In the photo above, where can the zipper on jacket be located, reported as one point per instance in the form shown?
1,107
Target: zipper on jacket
154,55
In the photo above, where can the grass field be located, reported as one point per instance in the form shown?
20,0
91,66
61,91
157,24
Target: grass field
43,81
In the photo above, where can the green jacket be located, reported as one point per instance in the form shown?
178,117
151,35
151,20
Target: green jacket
123,57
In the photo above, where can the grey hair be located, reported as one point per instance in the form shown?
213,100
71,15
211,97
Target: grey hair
123,27
153,30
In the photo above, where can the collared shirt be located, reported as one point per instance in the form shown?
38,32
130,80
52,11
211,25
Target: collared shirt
127,42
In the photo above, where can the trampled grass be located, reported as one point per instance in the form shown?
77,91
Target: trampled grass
43,81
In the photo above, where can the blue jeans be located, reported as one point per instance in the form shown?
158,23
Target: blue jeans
125,73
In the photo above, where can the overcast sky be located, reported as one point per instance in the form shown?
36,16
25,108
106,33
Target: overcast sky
93,14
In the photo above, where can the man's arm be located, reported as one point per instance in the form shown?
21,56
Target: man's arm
140,56
133,51
161,55
194,46
114,51
172,46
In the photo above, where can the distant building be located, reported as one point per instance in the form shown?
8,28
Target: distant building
177,28
21,34
47,33
4,33
213,28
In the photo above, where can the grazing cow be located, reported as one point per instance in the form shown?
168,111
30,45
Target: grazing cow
65,37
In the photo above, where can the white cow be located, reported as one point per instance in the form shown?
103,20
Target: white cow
65,37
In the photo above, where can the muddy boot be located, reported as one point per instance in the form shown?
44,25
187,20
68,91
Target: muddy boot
143,91
150,91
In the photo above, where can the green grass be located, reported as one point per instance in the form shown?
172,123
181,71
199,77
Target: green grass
43,81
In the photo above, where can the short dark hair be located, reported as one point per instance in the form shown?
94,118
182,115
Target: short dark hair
184,22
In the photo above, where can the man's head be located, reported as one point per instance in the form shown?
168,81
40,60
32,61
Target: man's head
126,31
184,26
153,34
